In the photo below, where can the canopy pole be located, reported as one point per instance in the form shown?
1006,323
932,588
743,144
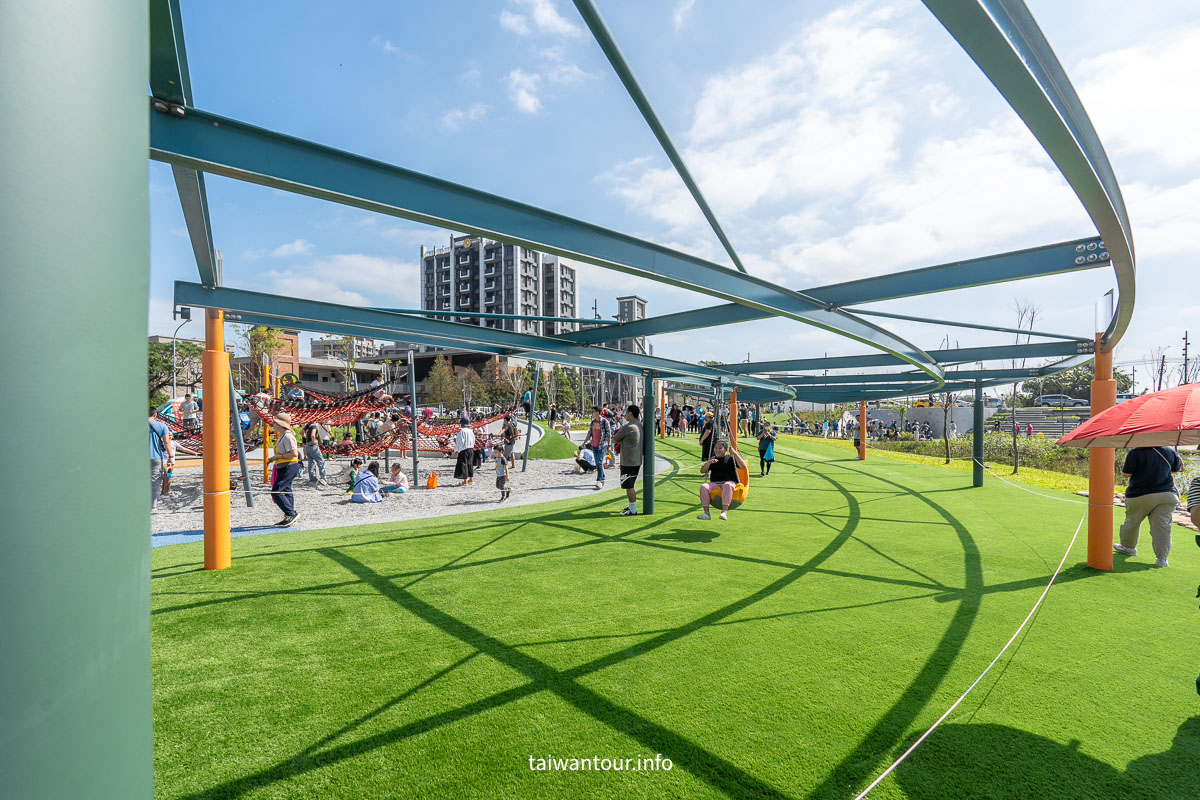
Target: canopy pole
648,392
537,374
977,437
733,420
235,412
1101,469
412,404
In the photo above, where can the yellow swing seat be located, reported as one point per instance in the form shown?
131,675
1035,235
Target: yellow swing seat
739,492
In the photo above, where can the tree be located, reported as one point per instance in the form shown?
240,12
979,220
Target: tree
476,389
1027,313
441,383
343,351
258,341
566,387
948,400
516,384
160,370
496,378
553,380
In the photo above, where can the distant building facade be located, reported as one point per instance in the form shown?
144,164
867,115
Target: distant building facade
335,347
611,387
474,275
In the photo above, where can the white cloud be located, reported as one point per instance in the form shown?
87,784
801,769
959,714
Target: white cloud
349,278
1165,220
523,87
453,119
514,22
523,16
299,247
391,49
683,10
1142,99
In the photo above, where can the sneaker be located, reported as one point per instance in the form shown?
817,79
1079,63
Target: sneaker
626,512
283,523
322,482
1162,562
705,515
723,516
599,485
1122,549
290,519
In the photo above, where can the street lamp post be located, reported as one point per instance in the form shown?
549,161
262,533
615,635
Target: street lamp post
186,313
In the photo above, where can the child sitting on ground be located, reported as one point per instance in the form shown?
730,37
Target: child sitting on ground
502,473
355,466
398,482
366,485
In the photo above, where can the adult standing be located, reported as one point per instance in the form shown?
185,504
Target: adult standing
190,411
312,452
708,435
464,451
766,449
287,467
508,436
596,440
527,402
161,456
1151,493
629,437
676,419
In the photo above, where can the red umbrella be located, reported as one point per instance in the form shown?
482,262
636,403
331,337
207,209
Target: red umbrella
1167,418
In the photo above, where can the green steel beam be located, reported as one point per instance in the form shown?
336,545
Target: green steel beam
591,15
1001,329
171,87
960,355
75,690
423,312
209,143
382,324
1004,40
1036,262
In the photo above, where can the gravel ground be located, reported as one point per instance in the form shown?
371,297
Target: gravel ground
179,516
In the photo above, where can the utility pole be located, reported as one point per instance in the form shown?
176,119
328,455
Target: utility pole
1185,356
1133,380
1162,367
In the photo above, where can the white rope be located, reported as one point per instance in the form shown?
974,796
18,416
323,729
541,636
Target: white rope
1031,491
963,696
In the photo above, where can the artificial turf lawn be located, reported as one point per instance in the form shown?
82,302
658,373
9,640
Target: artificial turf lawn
792,651
552,445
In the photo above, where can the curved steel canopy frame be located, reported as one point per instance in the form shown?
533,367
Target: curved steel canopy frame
1002,38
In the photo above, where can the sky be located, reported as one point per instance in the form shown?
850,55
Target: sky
833,140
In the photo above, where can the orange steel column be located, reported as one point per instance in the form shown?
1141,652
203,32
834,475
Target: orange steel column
1101,470
266,427
862,430
662,410
733,420
215,364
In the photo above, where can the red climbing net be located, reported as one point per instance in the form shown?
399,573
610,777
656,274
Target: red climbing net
191,441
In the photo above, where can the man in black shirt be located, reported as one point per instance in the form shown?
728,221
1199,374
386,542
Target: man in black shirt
1151,493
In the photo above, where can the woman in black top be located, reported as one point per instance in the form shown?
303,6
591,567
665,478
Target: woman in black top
722,474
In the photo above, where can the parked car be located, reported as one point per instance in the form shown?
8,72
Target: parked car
1054,400
991,402
1121,398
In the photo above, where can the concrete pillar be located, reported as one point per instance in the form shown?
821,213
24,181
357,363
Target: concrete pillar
977,437
74,248
1101,470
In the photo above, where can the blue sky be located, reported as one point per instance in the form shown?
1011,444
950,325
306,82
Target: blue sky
834,140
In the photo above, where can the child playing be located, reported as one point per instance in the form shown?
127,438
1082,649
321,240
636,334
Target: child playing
502,472
355,466
398,483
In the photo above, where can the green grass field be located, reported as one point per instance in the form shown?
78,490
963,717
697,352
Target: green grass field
793,651
552,445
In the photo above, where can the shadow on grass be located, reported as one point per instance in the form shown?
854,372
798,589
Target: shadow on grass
968,761
695,536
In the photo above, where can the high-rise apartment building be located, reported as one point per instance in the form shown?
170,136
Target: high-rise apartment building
481,276
335,347
613,387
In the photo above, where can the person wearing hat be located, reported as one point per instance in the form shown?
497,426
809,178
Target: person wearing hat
287,467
